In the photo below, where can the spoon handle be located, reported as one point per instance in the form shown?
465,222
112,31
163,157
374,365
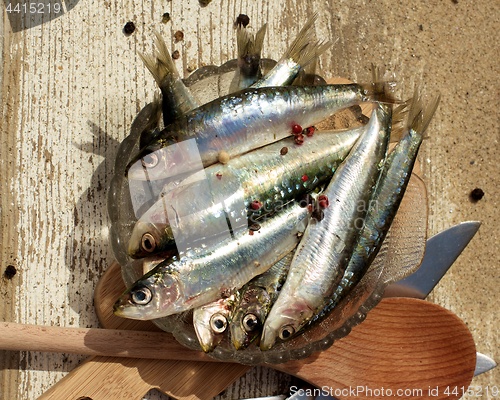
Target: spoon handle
404,344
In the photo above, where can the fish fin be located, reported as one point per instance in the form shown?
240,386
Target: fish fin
379,90
167,66
419,116
302,40
399,116
247,44
312,52
151,64
160,63
259,39
243,41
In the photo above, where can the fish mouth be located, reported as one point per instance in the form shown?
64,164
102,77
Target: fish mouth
123,308
268,338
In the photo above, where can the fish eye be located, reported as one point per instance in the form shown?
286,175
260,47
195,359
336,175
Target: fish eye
150,160
286,332
218,323
141,295
250,322
148,242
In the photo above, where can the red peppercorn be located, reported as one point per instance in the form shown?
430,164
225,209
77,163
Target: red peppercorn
309,131
299,139
304,178
255,205
323,201
296,129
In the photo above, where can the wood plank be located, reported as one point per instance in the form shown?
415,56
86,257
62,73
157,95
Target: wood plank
9,216
72,85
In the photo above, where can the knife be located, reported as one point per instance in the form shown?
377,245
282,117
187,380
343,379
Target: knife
441,251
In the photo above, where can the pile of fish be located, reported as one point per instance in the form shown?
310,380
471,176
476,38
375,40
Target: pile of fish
243,229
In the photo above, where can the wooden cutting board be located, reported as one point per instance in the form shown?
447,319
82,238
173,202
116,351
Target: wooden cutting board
404,344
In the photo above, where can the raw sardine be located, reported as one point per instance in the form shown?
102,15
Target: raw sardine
385,200
203,276
240,122
177,99
300,53
249,54
324,252
261,181
211,322
254,301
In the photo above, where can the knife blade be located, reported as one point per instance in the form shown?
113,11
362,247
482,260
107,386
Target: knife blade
441,251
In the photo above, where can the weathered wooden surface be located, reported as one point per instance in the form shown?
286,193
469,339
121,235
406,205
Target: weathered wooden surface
71,86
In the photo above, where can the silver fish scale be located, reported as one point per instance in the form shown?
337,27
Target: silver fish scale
231,189
251,119
326,247
229,264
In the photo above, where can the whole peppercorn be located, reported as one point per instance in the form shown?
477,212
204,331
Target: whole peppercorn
256,205
129,28
309,131
242,20
299,139
10,272
178,36
165,17
296,129
323,201
476,195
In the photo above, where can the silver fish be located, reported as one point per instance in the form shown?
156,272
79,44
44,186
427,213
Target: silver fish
211,322
228,192
254,301
324,251
240,122
385,200
203,276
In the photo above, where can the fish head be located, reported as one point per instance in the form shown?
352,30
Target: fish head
211,322
155,295
149,238
166,158
284,322
248,317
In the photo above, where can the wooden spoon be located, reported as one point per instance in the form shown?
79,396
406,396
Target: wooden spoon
404,344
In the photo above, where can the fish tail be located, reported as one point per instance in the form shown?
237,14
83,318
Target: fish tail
248,44
160,64
151,64
243,41
259,39
419,116
312,51
399,117
379,90
303,39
